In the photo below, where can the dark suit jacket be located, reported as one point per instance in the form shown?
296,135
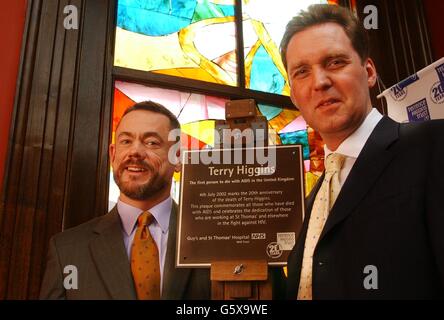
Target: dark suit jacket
96,248
389,214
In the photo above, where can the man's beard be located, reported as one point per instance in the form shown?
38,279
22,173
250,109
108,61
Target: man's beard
140,192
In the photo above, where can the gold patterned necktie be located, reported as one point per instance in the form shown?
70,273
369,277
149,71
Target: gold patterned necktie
324,201
145,260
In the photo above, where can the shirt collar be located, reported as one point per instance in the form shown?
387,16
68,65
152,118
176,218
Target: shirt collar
353,145
129,214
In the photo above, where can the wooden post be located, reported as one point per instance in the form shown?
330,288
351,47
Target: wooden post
241,279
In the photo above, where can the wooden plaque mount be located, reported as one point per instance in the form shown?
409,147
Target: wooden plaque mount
246,280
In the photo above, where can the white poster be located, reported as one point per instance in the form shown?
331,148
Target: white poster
419,97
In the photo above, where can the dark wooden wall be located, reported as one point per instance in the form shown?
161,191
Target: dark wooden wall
433,11
57,171
56,175
400,46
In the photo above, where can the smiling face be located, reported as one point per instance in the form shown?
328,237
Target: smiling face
329,82
139,156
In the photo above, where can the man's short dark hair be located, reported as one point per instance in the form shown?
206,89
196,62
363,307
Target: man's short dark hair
324,13
153,107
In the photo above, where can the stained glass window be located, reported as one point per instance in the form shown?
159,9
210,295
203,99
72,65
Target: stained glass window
186,38
196,39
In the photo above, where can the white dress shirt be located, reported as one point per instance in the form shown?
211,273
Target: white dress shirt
353,145
158,228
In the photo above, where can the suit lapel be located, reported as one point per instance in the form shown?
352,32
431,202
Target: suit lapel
374,157
174,279
109,255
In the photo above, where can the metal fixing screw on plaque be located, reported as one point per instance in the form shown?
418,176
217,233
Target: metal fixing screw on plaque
239,269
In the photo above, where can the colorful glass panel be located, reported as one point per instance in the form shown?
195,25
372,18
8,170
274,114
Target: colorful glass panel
186,38
268,111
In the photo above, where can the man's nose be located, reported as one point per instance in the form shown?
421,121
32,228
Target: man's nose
321,79
136,149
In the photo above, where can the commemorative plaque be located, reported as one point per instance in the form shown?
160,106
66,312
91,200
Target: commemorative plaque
234,205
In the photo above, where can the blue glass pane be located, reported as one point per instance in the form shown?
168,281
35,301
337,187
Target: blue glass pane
264,74
155,17
297,137
227,10
269,111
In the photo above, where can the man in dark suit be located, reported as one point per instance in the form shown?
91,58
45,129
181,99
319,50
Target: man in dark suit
375,220
129,253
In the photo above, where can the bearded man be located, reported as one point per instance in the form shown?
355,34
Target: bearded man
129,252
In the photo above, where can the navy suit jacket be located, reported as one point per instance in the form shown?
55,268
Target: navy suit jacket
389,215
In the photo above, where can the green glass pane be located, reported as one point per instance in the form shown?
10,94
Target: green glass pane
206,10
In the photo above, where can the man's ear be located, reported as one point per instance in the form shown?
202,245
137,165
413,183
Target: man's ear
178,165
371,72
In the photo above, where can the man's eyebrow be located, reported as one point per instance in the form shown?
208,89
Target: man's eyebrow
299,64
144,135
324,59
335,56
125,133
152,134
